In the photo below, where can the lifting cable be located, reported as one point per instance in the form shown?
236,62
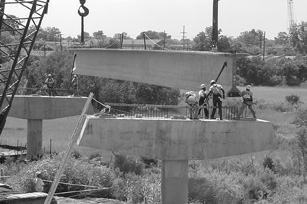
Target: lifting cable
153,41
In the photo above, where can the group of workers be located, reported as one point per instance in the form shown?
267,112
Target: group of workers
50,85
200,103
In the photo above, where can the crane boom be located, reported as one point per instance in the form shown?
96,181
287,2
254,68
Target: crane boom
17,37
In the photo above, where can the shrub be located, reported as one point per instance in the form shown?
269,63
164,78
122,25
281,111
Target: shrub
94,155
293,99
268,163
76,154
281,107
254,189
128,164
77,171
149,162
202,191
300,118
137,189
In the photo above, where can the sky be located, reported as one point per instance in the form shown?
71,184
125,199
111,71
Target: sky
173,16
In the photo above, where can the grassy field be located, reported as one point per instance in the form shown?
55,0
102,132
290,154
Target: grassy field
57,133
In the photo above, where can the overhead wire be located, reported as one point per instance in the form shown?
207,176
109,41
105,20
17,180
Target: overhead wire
153,41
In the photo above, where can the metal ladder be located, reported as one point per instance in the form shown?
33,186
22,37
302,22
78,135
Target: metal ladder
17,37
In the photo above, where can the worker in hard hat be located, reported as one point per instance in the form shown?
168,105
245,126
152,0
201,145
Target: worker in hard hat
39,184
74,83
247,101
192,101
217,92
50,85
203,101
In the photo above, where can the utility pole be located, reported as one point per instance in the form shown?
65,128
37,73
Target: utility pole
183,36
215,34
144,40
164,36
263,52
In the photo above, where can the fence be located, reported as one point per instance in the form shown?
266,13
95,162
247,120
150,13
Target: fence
165,111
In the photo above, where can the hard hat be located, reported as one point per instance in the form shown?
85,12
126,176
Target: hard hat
49,75
248,87
212,82
38,173
202,86
188,93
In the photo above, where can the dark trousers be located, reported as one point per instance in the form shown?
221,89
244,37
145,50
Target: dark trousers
206,111
217,103
50,91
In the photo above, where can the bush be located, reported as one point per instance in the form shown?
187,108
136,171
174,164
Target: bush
137,189
94,155
128,164
149,162
300,118
293,99
202,191
255,189
268,163
77,171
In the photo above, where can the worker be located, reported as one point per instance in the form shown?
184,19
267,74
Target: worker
74,83
217,92
247,101
203,101
39,184
50,85
191,100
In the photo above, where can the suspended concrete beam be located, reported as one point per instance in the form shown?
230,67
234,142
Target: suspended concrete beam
176,141
175,69
38,108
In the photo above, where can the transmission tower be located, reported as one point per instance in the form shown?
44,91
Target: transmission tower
291,20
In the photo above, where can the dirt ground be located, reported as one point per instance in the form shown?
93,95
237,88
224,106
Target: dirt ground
62,200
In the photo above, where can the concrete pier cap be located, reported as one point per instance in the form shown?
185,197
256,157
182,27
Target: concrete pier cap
38,108
47,107
175,139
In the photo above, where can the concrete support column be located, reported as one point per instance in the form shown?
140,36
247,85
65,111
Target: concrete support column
174,181
34,137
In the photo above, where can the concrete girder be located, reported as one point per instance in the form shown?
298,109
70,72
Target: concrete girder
175,69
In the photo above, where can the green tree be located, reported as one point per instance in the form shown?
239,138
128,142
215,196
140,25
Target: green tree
151,94
223,44
250,42
154,35
253,70
290,72
298,37
202,42
282,38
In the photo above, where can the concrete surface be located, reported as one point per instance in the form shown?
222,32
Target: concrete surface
176,69
175,139
175,178
38,108
46,107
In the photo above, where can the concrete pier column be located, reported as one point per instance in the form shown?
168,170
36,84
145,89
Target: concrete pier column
34,137
174,181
